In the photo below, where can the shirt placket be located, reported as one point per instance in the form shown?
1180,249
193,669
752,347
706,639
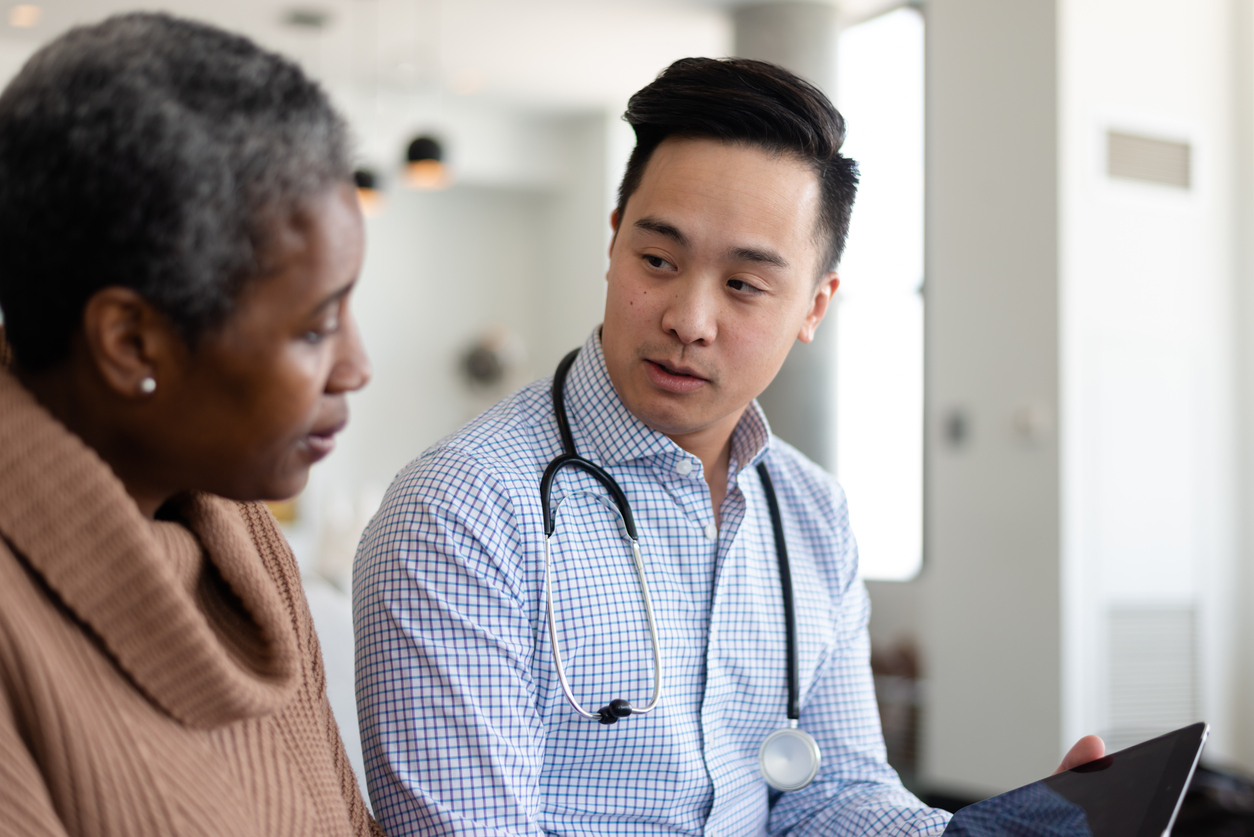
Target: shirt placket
720,691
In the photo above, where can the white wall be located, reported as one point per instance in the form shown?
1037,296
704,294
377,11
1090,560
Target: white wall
1104,309
1242,44
1149,457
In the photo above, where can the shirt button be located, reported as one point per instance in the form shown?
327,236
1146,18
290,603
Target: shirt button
711,532
683,467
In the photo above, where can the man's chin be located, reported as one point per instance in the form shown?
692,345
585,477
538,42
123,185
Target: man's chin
659,411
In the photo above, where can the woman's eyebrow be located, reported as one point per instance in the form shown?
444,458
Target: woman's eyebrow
333,297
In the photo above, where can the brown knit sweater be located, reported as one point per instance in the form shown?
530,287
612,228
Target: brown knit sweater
156,678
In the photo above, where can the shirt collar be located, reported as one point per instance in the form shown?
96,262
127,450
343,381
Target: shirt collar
750,440
602,424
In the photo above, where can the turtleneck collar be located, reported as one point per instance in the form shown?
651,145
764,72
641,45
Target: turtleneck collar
205,636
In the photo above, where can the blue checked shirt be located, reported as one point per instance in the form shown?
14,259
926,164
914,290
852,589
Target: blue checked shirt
464,724
1034,810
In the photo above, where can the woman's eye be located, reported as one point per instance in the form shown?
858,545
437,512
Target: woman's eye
322,332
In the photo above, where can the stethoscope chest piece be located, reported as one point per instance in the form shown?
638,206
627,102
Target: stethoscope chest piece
789,759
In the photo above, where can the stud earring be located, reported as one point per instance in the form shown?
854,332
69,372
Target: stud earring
148,385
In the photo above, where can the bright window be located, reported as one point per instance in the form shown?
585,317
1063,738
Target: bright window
879,313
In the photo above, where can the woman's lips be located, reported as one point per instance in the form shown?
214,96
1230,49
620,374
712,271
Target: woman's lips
676,382
319,446
322,441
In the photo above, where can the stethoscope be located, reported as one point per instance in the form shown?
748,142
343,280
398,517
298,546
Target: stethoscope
789,757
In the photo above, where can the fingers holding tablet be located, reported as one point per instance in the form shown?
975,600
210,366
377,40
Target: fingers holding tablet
1087,749
1132,793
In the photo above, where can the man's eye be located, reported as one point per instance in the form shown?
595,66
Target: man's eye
656,262
741,285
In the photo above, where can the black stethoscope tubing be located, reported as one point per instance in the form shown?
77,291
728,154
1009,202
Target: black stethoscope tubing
785,582
619,708
571,458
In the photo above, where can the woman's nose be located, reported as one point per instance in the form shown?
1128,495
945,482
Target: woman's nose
352,369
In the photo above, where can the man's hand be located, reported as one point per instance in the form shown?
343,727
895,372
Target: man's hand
1087,749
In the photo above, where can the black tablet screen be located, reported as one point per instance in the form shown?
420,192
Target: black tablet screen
1132,793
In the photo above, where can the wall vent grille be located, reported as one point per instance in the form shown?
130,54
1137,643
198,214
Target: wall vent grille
1153,673
1147,159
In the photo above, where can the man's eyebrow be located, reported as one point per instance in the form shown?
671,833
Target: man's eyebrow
662,228
752,254
737,254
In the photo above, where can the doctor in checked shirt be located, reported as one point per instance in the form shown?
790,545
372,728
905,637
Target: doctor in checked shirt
731,219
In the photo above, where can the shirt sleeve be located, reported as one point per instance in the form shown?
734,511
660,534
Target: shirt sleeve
856,791
1034,810
452,737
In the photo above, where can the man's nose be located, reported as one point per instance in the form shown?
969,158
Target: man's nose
691,314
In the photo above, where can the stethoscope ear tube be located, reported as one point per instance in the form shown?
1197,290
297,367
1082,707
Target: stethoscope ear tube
559,401
785,582
572,458
593,470
616,708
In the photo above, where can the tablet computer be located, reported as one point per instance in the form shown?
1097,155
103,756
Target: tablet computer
1132,793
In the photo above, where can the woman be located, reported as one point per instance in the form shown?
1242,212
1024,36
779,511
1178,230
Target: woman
180,240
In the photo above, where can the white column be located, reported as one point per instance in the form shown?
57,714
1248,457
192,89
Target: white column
991,627
800,36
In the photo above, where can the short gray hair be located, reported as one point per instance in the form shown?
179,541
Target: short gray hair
153,153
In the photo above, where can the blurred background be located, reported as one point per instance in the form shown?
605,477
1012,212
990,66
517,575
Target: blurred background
1038,384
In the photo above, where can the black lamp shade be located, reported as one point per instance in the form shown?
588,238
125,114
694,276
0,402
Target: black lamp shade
424,148
366,180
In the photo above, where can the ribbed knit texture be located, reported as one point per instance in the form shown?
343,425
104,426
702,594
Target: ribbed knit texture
156,678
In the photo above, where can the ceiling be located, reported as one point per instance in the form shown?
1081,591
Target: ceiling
545,54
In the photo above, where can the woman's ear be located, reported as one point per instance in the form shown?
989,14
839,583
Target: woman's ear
129,343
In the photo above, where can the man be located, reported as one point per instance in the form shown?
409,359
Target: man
731,219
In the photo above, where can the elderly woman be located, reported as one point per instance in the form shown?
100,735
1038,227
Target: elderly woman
180,239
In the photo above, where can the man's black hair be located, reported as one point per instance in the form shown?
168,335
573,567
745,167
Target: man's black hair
736,100
152,153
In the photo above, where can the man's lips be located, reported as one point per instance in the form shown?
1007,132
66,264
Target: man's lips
677,379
